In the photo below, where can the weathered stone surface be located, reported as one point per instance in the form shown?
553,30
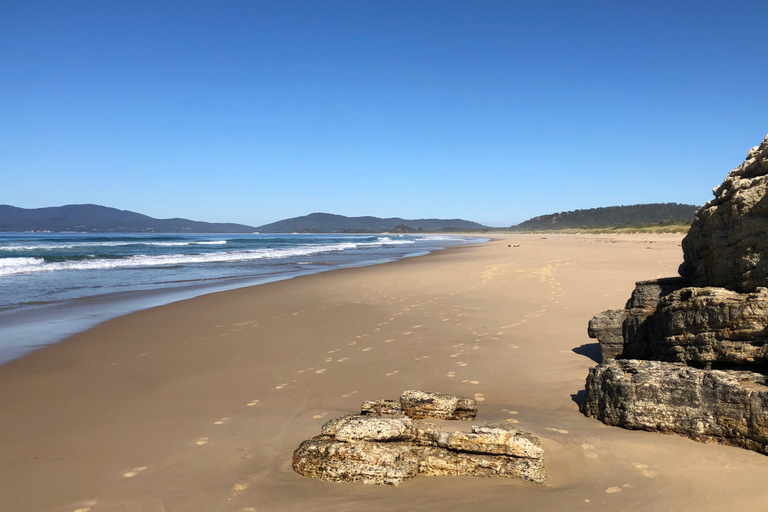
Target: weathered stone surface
381,408
368,428
607,328
727,245
698,336
496,439
442,462
712,327
624,333
358,461
390,449
727,407
424,404
698,326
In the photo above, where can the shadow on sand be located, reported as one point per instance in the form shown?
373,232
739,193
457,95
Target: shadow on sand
590,350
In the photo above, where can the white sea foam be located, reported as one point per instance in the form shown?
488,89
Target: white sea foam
9,266
106,244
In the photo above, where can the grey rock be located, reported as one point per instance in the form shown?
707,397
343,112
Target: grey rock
698,326
424,404
727,245
727,407
381,408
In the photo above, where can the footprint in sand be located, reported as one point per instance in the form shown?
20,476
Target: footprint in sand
318,416
479,397
377,329
342,359
458,345
321,370
591,455
461,363
353,343
420,358
407,333
367,349
512,420
221,421
417,326
201,441
134,472
450,374
252,403
558,430
392,373
389,340
474,382
644,468
514,346
476,347
328,359
281,386
349,394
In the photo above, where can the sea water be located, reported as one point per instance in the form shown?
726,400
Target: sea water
53,285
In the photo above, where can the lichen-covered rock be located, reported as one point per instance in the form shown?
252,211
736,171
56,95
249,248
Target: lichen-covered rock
728,407
368,428
358,461
388,449
381,408
727,245
424,404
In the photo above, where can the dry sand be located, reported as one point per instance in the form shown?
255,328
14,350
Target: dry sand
198,405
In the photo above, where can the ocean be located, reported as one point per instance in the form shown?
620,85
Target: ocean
53,285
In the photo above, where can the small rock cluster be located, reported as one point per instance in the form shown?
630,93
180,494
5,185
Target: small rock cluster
689,354
389,442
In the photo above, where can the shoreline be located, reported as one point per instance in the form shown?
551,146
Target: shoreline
198,404
25,329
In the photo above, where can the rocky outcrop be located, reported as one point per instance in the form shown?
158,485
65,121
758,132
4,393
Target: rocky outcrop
727,245
382,446
728,407
682,346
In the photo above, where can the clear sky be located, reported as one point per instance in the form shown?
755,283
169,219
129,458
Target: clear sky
492,111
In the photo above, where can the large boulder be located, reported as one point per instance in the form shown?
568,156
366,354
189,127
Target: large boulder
727,407
727,245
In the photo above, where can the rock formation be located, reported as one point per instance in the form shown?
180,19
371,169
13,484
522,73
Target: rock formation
389,442
689,354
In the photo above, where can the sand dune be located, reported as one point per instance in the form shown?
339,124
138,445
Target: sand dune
198,405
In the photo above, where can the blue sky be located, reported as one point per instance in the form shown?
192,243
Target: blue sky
492,111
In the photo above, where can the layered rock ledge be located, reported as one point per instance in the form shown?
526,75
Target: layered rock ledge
389,443
689,354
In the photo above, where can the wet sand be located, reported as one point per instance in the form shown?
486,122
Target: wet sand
198,405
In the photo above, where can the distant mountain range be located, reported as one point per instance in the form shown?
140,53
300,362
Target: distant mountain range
652,213
329,223
102,219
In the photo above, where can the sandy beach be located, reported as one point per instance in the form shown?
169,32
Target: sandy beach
198,405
